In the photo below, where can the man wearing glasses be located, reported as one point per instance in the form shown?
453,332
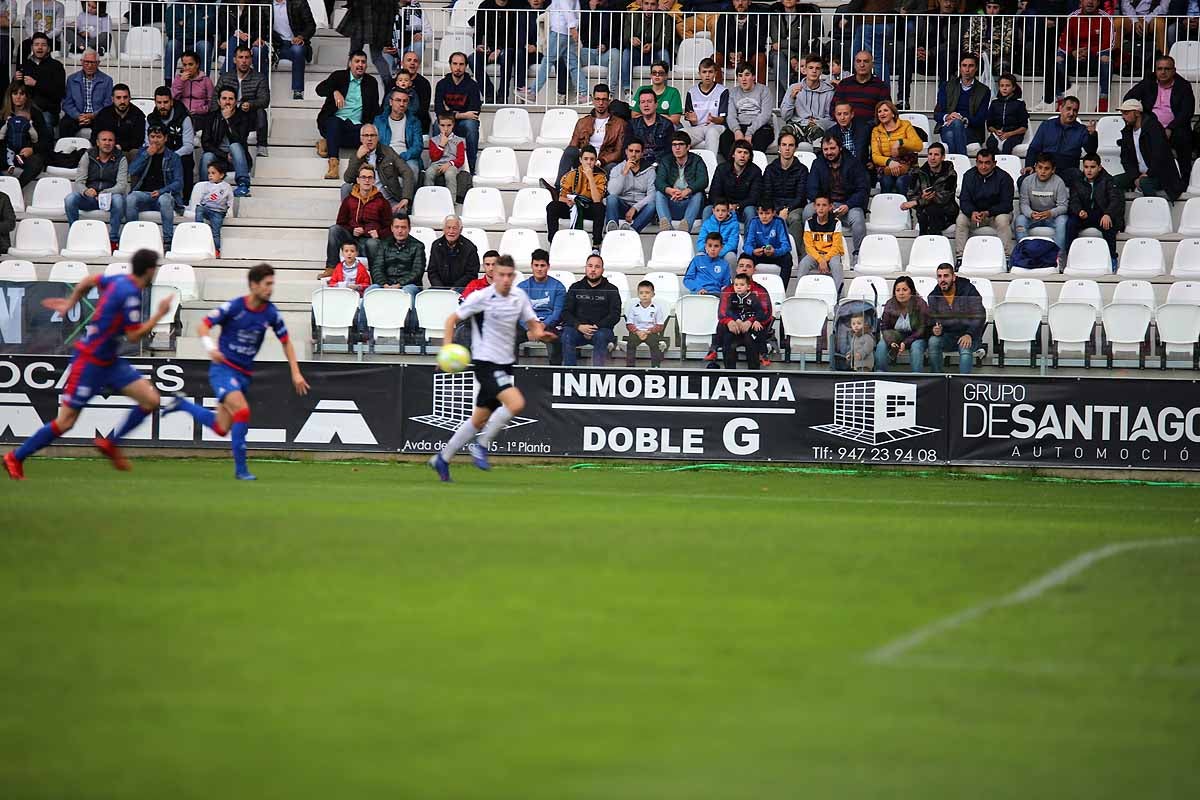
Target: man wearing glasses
89,91
1169,98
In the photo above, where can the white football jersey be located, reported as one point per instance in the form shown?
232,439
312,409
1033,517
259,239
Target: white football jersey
494,319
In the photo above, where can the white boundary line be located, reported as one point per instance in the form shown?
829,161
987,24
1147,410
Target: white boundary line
1030,591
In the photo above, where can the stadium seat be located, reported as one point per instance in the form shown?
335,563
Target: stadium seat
983,257
566,277
529,209
193,241
334,309
1189,222
879,254
621,281
68,271
483,207
386,311
34,238
1112,165
453,43
1187,59
1072,326
461,14
160,335
558,125
424,235
138,235
511,126
1149,216
1142,258
819,287
570,248
961,165
496,166
1194,183
12,187
759,158
1108,132
49,196
921,123
987,292
431,205
1134,291
1027,290
774,286
806,158
543,165
803,320
927,253
1017,326
1022,150
691,52
1184,292
623,250
672,251
695,316
117,268
925,284
143,46
1178,327
1082,291
1088,258
87,238
17,270
478,237
710,162
1125,328
189,211
520,244
666,288
869,287
182,277
68,144
886,216
433,306
1187,259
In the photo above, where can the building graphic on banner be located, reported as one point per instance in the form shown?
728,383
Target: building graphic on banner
874,412
454,401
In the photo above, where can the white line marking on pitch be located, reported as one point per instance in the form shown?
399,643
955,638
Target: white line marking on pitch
1030,591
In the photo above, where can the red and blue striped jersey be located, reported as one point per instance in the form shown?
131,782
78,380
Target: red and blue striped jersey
118,310
243,329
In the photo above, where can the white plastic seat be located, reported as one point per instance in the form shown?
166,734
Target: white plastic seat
1149,216
143,45
520,244
543,165
886,216
621,281
1112,165
529,208
1022,150
182,277
879,254
1142,258
673,250
558,126
623,250
1189,222
1126,325
695,316
1108,133
803,321
818,287
433,306
925,284
431,205
1072,325
869,287
1184,292
988,292
49,198
139,235
758,157
921,123
927,253
425,235
87,238
511,126
1187,59
189,210
1010,164
666,288
12,187
483,207
1178,326
386,310
806,158
461,15
710,161
192,241
566,277
983,257
1017,324
1194,183
160,335
12,269
68,144
1088,258
452,43
496,166
478,237
1135,292
1027,290
1186,263
1082,291
691,52
34,238
961,165
334,309
774,286
68,271
570,248
118,268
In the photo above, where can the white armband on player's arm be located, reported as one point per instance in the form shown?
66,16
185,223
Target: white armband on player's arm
209,344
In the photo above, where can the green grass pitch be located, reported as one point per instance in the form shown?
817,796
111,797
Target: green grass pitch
361,631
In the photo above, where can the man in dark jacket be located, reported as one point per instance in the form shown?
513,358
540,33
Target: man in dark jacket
458,94
174,118
986,200
224,137
844,181
397,262
1176,117
1096,202
855,133
592,309
124,119
652,129
504,31
1150,166
962,106
785,181
291,38
453,259
252,90
932,193
392,175
739,182
1064,138
957,316
45,79
102,170
351,99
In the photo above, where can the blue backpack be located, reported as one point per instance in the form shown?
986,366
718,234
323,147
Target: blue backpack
1034,254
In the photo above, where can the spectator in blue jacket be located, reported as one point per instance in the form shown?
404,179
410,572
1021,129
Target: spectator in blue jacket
721,222
155,182
767,242
402,131
844,181
986,200
547,295
962,107
89,91
957,316
708,272
1065,139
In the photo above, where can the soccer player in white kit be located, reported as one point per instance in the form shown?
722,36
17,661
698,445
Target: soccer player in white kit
494,313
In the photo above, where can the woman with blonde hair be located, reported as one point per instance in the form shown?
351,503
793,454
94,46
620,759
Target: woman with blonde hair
894,148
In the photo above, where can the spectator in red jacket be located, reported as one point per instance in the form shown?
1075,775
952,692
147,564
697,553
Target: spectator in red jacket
489,263
1085,48
365,214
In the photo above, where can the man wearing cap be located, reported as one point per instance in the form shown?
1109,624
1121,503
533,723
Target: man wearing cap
1150,166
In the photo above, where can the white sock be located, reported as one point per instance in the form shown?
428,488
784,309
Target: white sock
496,423
465,433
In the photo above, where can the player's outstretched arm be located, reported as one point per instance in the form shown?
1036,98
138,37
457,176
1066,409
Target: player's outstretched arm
298,381
537,331
164,308
210,347
64,304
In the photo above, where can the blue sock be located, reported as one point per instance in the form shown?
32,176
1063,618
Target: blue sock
202,415
42,437
136,415
238,433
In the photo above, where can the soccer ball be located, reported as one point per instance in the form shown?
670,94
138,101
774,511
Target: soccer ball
453,358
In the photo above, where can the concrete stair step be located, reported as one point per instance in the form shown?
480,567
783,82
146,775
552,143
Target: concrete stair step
293,208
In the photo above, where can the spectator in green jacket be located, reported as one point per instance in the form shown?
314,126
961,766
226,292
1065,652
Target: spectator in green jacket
680,183
397,262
